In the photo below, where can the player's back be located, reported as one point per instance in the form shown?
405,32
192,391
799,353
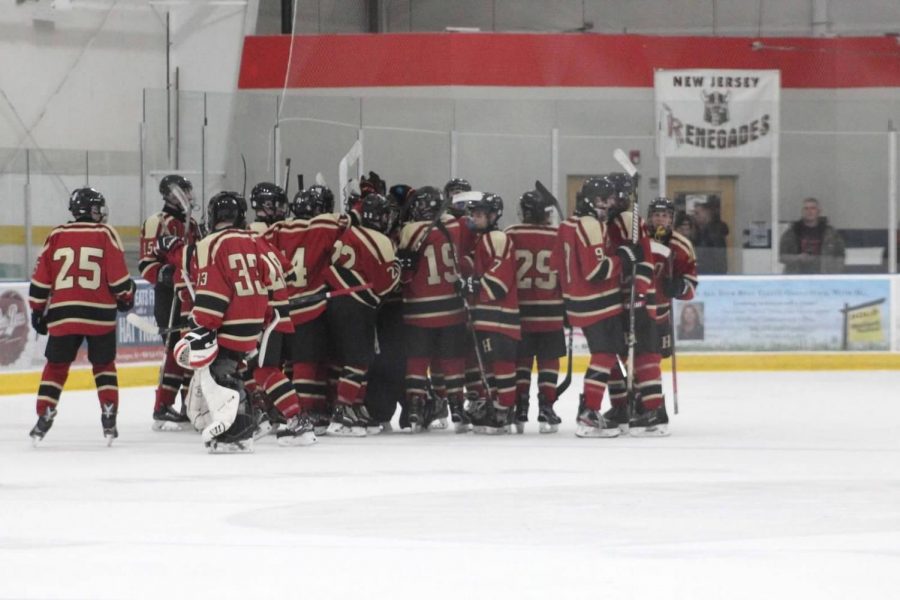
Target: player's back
540,297
429,292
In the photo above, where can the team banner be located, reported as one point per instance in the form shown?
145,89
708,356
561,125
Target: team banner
21,349
786,314
715,112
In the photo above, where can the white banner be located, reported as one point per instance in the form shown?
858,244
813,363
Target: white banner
712,112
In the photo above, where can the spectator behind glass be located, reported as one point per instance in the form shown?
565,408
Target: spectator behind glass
811,245
690,327
710,243
684,225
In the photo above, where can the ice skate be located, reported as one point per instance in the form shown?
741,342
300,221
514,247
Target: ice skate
494,422
166,418
521,413
619,416
320,421
43,425
591,424
372,426
548,420
438,420
415,413
458,415
299,431
345,422
234,439
652,423
108,421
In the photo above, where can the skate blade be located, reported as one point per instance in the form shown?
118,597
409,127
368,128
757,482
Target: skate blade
624,428
243,447
591,432
262,430
339,430
36,441
374,429
547,428
171,426
485,430
307,439
438,424
520,427
658,431
109,440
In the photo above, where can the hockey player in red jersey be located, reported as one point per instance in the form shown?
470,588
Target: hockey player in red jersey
541,310
270,204
78,284
168,286
230,306
647,374
432,309
308,242
363,255
495,313
675,276
589,271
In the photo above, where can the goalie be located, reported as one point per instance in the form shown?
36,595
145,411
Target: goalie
227,318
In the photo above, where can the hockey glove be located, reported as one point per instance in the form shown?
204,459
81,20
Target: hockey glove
675,287
629,254
469,285
407,259
125,301
166,276
166,244
39,323
197,349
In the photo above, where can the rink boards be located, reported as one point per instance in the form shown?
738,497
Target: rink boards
745,323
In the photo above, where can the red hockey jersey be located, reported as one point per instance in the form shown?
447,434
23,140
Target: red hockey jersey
232,291
308,245
165,222
588,273
681,262
429,293
80,274
540,297
496,306
363,256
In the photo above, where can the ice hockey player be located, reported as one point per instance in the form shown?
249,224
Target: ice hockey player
168,286
436,336
270,204
675,276
589,276
308,242
541,310
647,374
230,305
362,256
78,284
491,285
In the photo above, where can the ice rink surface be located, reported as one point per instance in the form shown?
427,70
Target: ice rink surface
772,485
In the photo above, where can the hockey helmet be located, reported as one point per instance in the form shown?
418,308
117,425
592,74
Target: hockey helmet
269,201
660,214
425,203
311,202
180,198
490,204
226,207
87,204
452,188
594,197
534,208
377,213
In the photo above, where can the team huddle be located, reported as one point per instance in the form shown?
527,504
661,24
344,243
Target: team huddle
307,322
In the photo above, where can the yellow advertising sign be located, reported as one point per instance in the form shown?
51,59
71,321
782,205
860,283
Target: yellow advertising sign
864,324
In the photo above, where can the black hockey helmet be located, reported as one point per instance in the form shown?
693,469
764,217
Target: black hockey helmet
425,203
492,204
534,208
270,200
311,202
171,198
594,196
226,207
661,229
624,185
372,184
377,213
402,193
453,187
87,204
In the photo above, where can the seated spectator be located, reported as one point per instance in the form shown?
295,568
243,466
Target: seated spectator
684,225
811,245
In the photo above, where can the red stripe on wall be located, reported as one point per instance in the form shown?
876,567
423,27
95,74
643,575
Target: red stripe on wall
564,60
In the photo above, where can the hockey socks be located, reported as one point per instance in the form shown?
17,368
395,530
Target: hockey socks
53,379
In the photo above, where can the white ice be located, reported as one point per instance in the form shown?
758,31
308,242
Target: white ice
773,485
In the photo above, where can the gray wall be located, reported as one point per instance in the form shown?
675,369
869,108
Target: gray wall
696,17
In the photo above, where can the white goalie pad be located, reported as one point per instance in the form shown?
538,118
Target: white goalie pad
211,408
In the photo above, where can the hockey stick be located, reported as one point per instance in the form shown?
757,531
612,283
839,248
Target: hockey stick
353,155
564,384
244,160
543,191
671,265
313,298
287,175
626,164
